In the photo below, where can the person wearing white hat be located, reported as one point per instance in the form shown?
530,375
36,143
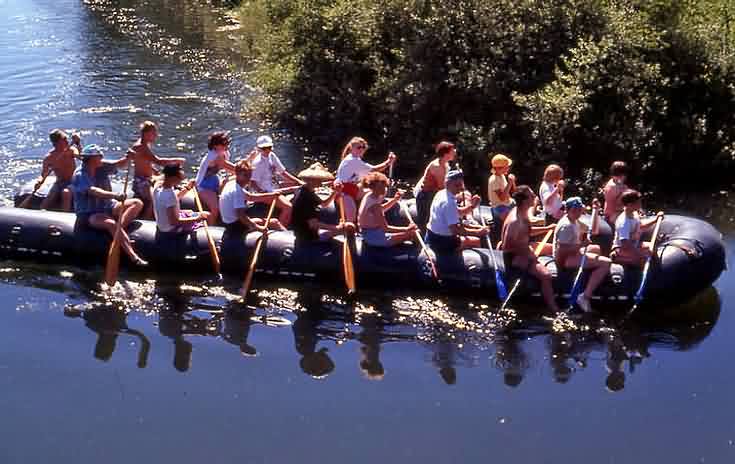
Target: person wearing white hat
96,205
267,167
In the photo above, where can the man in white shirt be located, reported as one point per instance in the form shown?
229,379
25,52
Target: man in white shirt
233,203
445,232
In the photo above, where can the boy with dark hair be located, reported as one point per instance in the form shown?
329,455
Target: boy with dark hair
613,190
627,246
60,160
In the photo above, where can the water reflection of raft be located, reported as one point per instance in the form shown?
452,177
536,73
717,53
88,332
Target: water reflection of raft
691,253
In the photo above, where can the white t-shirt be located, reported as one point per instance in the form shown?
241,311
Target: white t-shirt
444,213
568,233
264,170
163,199
553,208
204,165
353,169
495,183
627,228
232,198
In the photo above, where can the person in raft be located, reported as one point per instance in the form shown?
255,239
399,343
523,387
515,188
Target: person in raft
432,181
233,204
445,232
552,193
96,205
627,246
60,160
613,191
352,169
266,168
500,186
306,205
140,153
207,180
569,238
516,243
170,219
371,218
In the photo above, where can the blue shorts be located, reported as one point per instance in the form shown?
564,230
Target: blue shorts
375,237
443,243
141,188
59,186
502,210
210,183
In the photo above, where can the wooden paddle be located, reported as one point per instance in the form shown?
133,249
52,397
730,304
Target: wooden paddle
499,281
210,241
112,267
424,249
638,298
537,252
256,254
26,203
577,284
347,265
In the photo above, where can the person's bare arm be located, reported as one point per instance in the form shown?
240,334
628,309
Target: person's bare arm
298,182
243,217
105,194
649,222
390,203
262,196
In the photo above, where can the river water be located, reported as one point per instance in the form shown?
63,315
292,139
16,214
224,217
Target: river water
172,371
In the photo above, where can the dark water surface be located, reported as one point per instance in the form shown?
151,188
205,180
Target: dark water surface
173,371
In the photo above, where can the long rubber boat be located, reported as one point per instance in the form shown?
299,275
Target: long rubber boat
690,252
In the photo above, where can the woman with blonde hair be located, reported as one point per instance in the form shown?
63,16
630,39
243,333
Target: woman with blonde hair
552,193
352,169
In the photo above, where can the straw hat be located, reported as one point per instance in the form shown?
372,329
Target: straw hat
316,171
501,161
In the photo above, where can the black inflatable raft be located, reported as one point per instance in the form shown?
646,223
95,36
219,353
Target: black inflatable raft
691,257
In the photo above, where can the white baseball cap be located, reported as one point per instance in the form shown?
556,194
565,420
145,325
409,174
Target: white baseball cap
264,141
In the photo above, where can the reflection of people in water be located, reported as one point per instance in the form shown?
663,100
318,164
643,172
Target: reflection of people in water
616,357
561,346
315,363
369,338
108,324
445,355
176,324
237,329
511,359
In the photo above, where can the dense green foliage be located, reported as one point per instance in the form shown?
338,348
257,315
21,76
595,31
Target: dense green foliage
580,82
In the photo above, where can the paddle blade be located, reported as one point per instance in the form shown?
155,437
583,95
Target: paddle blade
213,253
349,269
112,268
500,285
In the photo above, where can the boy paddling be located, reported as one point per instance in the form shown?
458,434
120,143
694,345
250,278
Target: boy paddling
516,243
627,246
144,159
60,161
167,211
432,181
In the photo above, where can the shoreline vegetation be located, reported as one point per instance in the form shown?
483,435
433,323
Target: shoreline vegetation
576,82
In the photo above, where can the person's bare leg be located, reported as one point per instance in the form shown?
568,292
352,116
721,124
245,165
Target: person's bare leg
600,268
276,224
470,242
66,197
108,224
50,200
350,209
210,202
547,290
285,208
147,204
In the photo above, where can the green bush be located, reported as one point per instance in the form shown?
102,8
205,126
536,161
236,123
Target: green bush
581,82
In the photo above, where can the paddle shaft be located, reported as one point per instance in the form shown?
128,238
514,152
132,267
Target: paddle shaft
27,200
577,284
347,264
421,242
210,241
647,267
536,252
254,261
113,256
499,281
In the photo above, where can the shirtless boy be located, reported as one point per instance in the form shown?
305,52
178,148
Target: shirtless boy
60,160
432,181
371,217
144,160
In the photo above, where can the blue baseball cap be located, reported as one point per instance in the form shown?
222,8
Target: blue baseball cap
91,150
573,202
454,174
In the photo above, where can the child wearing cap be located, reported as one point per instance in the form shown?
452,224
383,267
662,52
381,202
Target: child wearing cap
432,181
144,159
500,186
207,180
167,212
352,169
445,232
570,236
96,205
307,204
627,246
516,243
613,191
552,192
371,218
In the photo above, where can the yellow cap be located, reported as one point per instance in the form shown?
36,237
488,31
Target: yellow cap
501,161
